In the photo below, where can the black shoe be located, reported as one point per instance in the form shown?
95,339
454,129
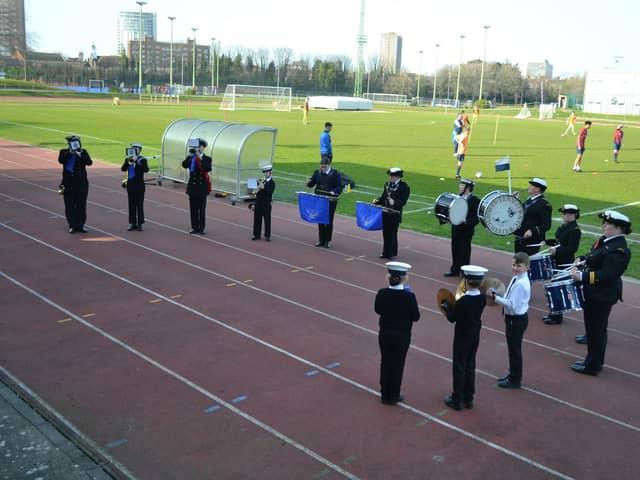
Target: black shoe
468,404
131,227
452,403
508,383
255,238
194,231
401,398
451,274
139,228
502,379
82,229
327,245
581,339
552,320
202,232
72,230
583,369
384,256
320,244
268,239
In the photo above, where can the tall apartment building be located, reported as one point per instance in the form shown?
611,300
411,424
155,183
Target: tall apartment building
540,70
129,28
13,38
391,52
155,55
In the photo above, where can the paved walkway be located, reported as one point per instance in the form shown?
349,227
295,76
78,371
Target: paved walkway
32,448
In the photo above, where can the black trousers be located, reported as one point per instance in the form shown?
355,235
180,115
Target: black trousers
460,249
262,211
520,245
325,231
75,206
464,366
596,321
390,225
198,209
136,208
393,353
515,327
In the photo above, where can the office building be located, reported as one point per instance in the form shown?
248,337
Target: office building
540,70
129,28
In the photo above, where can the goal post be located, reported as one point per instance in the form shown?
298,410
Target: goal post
256,97
96,85
392,98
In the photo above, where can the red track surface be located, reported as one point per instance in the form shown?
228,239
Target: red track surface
133,337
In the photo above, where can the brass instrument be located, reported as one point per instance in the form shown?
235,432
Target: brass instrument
489,283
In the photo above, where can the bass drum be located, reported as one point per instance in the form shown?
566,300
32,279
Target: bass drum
451,208
500,212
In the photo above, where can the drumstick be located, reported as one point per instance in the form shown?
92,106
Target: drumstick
536,244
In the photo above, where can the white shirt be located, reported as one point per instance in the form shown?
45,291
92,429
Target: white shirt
516,299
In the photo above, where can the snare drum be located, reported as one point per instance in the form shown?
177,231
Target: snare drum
541,267
451,208
564,296
500,212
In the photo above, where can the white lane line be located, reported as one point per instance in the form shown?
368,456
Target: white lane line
181,378
264,343
367,330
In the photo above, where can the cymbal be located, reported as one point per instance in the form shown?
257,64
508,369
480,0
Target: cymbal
496,285
445,295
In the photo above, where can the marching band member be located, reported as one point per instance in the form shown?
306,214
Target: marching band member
461,235
466,315
328,183
393,199
536,220
602,285
75,185
262,205
564,246
136,166
515,303
398,310
199,185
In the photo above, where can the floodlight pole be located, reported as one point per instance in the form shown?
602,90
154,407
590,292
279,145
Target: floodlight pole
193,66
141,3
212,60
435,78
171,58
462,37
217,68
419,71
484,59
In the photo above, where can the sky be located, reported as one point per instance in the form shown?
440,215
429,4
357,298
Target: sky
573,36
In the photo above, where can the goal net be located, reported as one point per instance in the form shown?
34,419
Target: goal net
386,98
547,110
256,97
96,86
524,112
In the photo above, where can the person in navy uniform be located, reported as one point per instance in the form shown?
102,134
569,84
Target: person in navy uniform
394,197
199,186
262,205
537,218
602,286
136,166
328,183
564,246
466,314
398,310
75,185
462,234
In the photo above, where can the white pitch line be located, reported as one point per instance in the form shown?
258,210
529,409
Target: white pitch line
181,378
266,344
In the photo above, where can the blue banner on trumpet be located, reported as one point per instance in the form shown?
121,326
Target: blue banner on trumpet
313,208
368,217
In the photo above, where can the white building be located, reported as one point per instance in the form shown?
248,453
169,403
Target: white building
612,92
129,28
540,70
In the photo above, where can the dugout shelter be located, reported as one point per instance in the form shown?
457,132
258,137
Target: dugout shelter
239,151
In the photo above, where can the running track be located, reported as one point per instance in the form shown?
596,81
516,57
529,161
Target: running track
216,357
